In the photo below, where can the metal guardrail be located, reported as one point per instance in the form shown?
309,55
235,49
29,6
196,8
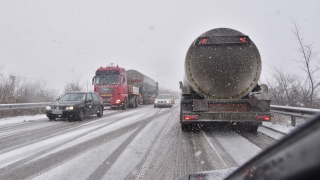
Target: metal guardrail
23,106
294,112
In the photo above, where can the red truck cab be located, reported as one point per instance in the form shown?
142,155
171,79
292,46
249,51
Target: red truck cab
110,83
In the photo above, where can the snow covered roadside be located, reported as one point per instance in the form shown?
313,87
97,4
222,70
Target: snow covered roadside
38,117
282,123
279,127
26,151
21,119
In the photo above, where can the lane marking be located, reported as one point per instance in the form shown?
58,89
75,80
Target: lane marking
213,148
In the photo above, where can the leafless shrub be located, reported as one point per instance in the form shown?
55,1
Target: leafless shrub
289,88
286,87
15,89
73,85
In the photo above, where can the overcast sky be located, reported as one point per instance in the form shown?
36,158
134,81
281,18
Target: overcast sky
61,40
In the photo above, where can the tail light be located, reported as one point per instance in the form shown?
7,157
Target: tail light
203,41
263,118
190,117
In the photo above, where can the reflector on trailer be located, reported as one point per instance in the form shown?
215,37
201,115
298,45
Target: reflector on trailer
203,41
263,118
243,39
190,117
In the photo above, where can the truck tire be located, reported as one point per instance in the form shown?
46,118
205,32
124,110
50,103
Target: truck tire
135,102
100,113
185,127
252,128
125,104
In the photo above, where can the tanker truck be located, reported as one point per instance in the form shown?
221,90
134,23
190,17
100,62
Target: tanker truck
121,88
220,84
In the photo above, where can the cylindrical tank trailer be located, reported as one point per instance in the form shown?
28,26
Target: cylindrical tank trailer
147,86
220,84
222,64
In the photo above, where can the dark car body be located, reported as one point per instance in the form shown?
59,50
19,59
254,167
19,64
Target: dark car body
76,106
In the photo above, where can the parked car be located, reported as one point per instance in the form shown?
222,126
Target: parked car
76,106
163,100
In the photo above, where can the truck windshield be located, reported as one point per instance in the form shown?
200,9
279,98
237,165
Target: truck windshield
107,79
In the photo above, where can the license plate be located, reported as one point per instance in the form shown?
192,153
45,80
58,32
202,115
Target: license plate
56,111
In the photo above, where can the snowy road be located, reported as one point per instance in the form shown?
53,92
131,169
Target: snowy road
142,143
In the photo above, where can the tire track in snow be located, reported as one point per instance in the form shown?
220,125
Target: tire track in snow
14,142
22,169
153,151
261,140
106,165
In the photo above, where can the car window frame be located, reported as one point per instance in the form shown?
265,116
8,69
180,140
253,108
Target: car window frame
89,95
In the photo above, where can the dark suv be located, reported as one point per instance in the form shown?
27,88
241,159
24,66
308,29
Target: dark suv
76,106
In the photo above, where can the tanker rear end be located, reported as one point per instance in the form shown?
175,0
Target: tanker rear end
220,85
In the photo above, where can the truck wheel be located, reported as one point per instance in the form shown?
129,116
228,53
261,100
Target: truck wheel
252,128
80,115
135,103
124,106
100,112
185,127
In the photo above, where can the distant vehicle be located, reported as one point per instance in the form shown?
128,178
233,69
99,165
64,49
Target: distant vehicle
295,156
121,88
76,106
220,85
163,100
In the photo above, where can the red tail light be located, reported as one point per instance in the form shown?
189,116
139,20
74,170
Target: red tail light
190,117
203,41
263,118
243,40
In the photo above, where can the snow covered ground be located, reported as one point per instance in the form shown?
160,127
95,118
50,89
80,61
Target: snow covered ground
141,143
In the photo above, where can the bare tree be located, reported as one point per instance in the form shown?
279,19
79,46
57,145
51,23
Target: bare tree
286,87
308,55
73,85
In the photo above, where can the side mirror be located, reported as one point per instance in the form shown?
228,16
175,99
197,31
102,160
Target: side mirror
93,80
89,100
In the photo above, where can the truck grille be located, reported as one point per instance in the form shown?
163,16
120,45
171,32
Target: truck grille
106,90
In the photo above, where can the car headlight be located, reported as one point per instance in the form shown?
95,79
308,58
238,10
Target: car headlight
69,108
168,101
155,101
118,101
48,107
